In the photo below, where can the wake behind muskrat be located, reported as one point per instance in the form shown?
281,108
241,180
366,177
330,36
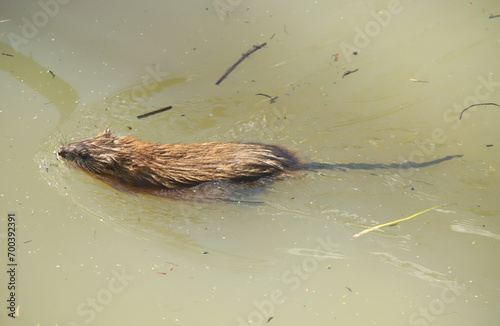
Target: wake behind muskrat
190,171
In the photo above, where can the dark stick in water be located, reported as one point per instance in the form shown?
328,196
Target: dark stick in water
243,56
473,105
145,115
350,72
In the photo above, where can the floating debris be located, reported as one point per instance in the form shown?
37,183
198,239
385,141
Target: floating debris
145,115
418,81
473,105
395,222
243,56
350,72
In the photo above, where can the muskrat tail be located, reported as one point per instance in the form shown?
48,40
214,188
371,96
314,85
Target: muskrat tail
373,166
314,166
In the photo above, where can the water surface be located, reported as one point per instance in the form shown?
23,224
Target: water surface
89,254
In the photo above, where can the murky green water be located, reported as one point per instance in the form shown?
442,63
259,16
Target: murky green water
89,254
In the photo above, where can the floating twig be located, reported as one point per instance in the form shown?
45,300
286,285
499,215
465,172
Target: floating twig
473,105
243,56
145,115
273,98
494,16
53,75
16,311
395,222
418,81
362,226
8,54
350,72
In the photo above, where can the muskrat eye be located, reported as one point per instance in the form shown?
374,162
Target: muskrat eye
84,155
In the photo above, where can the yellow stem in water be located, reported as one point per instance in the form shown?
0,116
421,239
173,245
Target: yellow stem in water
395,222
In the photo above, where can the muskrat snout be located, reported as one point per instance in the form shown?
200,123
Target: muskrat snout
67,153
71,153
62,152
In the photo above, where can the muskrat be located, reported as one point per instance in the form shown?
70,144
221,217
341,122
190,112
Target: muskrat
163,169
169,170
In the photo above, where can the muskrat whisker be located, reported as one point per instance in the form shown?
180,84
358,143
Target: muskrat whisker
65,142
62,143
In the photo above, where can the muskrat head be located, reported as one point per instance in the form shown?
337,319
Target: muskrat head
93,155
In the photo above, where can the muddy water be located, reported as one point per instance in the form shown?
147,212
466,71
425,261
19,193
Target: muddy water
89,254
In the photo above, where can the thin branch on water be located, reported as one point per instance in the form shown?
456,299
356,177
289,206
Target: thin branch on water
473,105
154,112
243,56
395,222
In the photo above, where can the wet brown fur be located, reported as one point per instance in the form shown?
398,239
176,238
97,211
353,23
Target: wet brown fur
130,164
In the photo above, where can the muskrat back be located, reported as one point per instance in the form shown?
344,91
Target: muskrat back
140,166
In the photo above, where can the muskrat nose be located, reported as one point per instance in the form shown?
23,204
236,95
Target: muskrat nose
62,152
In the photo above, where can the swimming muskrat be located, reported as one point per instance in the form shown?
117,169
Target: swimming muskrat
168,170
159,169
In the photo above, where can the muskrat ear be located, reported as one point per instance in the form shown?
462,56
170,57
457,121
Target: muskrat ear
105,133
